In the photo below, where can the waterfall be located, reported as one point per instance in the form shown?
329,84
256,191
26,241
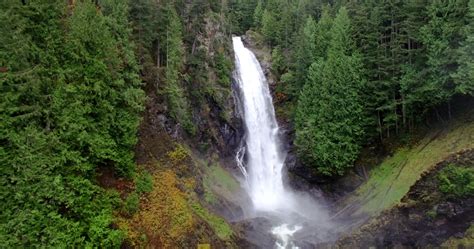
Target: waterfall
264,158
296,217
263,169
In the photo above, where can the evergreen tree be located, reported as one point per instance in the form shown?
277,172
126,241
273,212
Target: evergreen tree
442,36
241,15
177,101
329,114
71,105
312,45
278,61
464,77
270,28
143,14
323,33
258,14
305,53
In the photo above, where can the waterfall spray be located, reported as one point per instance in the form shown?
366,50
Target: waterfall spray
265,160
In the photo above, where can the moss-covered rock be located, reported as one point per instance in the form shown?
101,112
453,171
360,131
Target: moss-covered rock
427,216
391,180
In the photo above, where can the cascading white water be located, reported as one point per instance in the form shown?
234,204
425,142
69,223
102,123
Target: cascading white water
264,162
264,158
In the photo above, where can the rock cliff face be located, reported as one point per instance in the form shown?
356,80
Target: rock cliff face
425,218
194,175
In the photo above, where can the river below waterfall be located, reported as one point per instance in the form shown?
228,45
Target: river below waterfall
294,217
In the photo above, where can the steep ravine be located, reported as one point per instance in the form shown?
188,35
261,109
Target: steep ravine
195,193
192,192
198,196
384,181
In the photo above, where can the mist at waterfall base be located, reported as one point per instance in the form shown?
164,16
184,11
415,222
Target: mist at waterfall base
295,216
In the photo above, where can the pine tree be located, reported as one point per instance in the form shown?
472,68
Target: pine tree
305,53
258,14
179,107
143,15
71,106
278,61
442,36
329,114
270,29
412,68
312,44
323,33
464,77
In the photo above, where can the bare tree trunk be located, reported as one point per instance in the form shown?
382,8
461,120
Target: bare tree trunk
194,46
396,115
365,173
158,54
409,50
440,119
380,126
404,112
449,110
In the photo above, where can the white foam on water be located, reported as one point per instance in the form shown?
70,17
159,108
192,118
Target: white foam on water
284,233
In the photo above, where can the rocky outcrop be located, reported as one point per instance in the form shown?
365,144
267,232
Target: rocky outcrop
200,181
425,218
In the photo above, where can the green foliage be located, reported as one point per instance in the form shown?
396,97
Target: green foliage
241,15
329,114
219,225
464,77
269,28
70,102
311,45
144,182
431,214
456,181
413,57
258,14
441,36
305,53
102,96
184,48
132,203
178,104
145,20
223,67
278,61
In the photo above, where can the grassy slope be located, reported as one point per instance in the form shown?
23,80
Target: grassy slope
390,181
172,215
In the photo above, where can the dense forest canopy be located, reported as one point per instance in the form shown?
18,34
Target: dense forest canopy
73,76
70,102
72,80
362,71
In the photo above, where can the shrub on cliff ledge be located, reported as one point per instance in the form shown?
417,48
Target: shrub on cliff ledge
456,181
